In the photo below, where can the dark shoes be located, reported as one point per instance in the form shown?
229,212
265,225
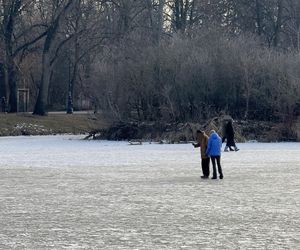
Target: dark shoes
204,177
214,177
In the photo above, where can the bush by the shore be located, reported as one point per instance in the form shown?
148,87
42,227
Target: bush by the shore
185,132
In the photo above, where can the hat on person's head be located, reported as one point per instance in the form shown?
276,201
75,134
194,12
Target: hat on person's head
212,131
200,131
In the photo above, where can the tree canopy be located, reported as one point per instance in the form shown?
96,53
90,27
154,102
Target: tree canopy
173,60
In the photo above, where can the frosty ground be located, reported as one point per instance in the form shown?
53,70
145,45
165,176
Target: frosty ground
60,192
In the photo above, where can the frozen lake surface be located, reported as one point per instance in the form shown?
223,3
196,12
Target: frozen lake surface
59,192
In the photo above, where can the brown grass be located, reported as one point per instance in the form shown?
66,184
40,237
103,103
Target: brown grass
54,123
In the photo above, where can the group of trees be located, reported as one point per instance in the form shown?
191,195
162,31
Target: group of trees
175,60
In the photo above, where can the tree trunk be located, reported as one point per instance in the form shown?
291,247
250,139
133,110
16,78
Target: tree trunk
191,21
74,76
177,15
11,83
278,23
149,7
13,88
10,13
42,100
258,17
160,22
76,60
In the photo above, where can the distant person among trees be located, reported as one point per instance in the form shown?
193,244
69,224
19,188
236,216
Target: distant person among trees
229,137
3,104
202,141
214,151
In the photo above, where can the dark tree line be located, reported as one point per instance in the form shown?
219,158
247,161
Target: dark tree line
173,60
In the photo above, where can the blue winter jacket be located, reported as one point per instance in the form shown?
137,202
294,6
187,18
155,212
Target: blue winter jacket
214,145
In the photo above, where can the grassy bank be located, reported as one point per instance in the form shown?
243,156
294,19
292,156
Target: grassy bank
85,122
54,123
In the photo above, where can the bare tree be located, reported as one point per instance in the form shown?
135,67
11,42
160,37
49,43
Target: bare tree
59,11
11,10
292,24
17,28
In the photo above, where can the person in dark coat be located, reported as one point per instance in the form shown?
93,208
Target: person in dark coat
229,136
3,104
214,151
202,140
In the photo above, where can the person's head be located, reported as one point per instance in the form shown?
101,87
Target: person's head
200,133
212,131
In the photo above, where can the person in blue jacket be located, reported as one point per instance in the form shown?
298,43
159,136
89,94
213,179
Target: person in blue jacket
214,151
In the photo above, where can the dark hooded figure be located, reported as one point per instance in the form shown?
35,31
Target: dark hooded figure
3,104
229,136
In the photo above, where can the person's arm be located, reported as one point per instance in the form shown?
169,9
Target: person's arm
208,147
230,130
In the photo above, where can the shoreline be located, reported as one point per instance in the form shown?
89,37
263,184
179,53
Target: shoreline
97,126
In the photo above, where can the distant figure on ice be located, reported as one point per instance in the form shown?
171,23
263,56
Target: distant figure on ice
3,104
214,151
229,136
202,141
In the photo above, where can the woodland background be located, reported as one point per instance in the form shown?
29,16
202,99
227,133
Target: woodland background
154,60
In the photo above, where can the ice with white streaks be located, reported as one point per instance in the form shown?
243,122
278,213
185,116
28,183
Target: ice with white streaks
60,192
